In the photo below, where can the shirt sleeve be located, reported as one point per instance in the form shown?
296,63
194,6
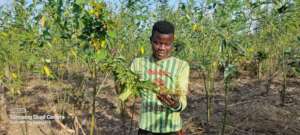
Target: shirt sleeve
182,87
133,65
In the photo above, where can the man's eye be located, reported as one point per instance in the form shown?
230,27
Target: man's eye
156,42
159,43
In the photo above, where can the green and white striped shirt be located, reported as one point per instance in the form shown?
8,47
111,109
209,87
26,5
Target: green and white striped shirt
171,73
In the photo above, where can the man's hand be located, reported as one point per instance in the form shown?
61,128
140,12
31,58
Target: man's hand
168,100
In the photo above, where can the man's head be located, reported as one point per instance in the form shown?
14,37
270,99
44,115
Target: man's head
161,39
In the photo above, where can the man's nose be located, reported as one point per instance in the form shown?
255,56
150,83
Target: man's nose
162,46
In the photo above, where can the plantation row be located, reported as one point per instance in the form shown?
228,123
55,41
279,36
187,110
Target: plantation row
51,39
44,38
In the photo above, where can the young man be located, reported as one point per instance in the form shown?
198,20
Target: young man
160,113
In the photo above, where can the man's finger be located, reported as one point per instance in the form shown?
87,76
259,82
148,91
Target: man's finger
162,98
166,100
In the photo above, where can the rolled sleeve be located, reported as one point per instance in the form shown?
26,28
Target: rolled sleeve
182,87
133,66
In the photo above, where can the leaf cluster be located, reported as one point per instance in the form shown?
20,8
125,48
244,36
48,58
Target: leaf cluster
130,83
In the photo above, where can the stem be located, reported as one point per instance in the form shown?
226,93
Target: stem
26,127
259,70
93,113
207,97
118,89
123,117
283,91
94,77
225,107
102,83
132,115
209,110
268,84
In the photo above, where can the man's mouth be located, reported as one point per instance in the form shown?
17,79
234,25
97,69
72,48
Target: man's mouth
161,53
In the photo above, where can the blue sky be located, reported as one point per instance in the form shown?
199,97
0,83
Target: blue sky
5,2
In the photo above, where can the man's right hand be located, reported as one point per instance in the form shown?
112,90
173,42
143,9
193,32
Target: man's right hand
169,100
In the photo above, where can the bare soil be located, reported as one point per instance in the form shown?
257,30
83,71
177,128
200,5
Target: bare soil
250,111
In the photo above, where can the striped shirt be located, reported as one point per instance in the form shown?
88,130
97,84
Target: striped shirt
173,74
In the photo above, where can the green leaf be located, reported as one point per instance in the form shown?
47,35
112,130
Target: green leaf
79,2
100,55
297,70
111,34
230,71
288,51
124,96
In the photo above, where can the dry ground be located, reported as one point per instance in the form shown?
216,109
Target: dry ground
250,110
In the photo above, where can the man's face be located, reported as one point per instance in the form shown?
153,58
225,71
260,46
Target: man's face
162,45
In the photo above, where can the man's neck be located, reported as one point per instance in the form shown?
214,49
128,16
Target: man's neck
157,60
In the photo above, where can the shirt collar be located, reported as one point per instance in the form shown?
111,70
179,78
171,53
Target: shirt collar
153,59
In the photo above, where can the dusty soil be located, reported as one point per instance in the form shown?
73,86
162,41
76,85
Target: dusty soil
250,111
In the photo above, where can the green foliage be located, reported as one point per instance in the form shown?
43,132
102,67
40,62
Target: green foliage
230,72
260,56
129,81
209,35
45,39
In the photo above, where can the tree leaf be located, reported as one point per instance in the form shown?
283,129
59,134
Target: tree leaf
100,55
47,71
124,95
230,71
111,34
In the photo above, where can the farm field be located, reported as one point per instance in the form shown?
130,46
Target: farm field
65,65
250,111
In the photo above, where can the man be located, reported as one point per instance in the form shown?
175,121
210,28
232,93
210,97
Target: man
160,113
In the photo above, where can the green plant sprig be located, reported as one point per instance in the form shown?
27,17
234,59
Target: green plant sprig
130,83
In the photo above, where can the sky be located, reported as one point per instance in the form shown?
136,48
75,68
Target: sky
172,3
5,2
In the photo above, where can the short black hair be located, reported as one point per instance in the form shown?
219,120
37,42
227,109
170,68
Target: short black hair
163,27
